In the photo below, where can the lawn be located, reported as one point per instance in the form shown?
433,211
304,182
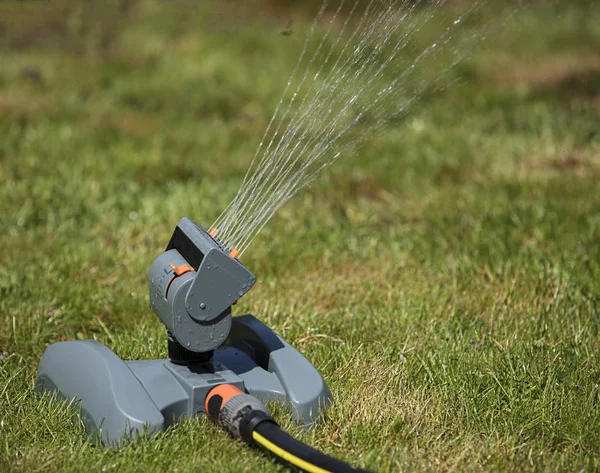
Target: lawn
445,279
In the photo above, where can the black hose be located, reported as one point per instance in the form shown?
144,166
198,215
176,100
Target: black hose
244,416
297,453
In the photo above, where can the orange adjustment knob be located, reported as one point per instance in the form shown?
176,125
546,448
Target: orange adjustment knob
181,269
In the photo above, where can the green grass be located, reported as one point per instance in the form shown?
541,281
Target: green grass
445,280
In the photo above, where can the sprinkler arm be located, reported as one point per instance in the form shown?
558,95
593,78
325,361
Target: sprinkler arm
193,285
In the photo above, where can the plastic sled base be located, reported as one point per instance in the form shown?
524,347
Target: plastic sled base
120,398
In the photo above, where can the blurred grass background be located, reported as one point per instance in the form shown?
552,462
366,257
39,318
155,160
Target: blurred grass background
445,280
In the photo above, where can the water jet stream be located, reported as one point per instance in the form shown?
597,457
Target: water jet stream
368,72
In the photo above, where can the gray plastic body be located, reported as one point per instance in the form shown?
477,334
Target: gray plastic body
196,306
123,398
168,299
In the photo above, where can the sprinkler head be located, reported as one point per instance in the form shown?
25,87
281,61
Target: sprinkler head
193,285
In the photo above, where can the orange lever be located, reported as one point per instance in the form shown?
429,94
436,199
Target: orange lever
181,269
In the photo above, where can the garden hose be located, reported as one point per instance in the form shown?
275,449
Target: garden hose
243,416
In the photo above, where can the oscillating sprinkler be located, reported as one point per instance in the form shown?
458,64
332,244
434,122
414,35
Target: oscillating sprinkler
193,286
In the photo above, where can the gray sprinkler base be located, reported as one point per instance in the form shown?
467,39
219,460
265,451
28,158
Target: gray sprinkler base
122,398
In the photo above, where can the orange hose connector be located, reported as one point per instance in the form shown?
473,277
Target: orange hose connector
219,396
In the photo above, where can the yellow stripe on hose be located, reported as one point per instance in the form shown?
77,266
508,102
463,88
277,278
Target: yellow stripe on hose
293,459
